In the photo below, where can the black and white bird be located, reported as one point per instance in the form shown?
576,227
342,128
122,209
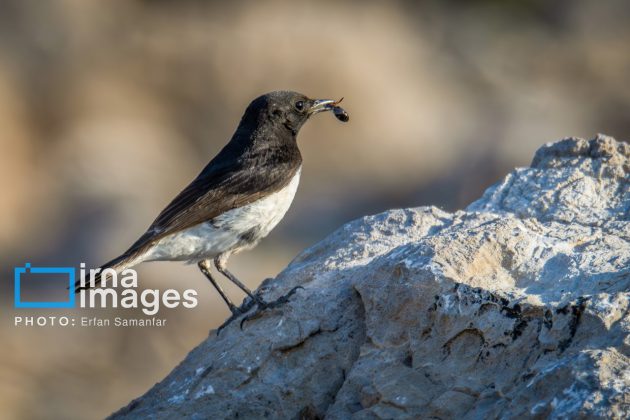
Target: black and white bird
237,199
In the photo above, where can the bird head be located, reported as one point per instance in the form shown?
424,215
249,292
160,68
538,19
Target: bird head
284,110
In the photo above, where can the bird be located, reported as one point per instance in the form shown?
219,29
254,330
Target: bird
236,200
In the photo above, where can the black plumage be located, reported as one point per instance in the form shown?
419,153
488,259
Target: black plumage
261,158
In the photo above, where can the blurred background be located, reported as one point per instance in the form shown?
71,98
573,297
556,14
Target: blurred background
109,108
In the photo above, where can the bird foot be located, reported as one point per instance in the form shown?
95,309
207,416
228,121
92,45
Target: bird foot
262,306
237,312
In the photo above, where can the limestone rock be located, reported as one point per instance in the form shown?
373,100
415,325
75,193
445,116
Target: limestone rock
516,307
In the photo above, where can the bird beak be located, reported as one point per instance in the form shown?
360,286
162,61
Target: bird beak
320,105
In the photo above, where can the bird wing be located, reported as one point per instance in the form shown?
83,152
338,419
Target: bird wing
217,189
222,186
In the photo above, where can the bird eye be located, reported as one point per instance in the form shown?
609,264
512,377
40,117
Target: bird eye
299,105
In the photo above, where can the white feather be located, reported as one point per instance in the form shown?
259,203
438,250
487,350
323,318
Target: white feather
225,232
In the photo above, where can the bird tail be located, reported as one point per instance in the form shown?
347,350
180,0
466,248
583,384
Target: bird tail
118,264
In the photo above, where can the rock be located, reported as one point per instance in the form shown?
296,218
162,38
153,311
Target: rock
516,307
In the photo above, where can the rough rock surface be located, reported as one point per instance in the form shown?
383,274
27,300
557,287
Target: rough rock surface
516,307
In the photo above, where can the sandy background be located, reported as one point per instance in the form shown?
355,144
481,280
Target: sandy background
109,108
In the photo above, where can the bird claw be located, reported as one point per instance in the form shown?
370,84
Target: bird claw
262,306
237,312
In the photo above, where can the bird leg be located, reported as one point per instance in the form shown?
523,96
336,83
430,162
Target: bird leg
220,262
204,266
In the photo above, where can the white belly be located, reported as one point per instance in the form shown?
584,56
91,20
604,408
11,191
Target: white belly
233,231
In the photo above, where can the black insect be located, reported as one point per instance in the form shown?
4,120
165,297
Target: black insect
339,112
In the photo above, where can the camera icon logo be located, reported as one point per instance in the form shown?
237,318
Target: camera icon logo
18,274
